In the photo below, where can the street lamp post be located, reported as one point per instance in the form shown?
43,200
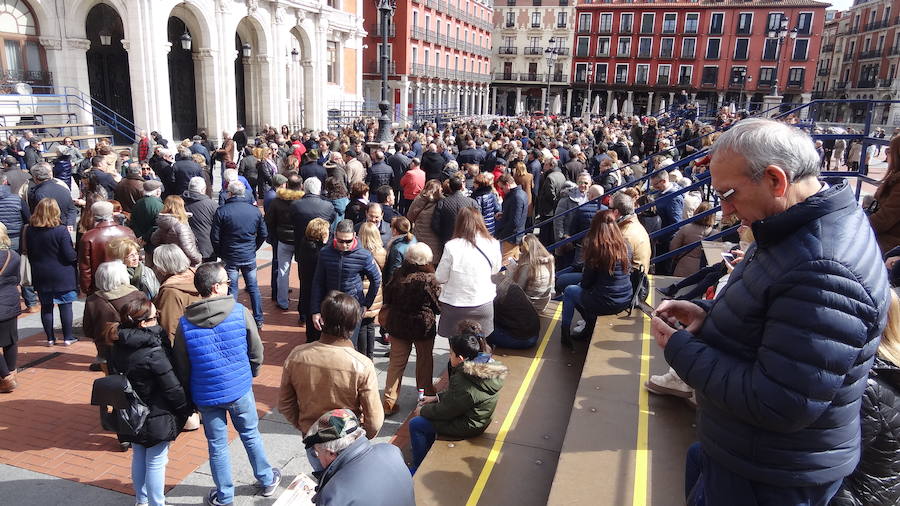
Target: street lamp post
551,53
590,77
781,34
386,10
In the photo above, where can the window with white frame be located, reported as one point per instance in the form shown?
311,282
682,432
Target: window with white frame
804,23
645,47
510,19
766,76
536,19
581,72
663,73
670,22
716,23
795,77
562,19
648,19
741,49
710,75
770,49
621,73
624,47
605,22
582,46
689,47
773,21
744,23
626,22
691,22
584,22
331,70
712,48
642,74
685,75
602,46
600,73
667,47
801,48
415,55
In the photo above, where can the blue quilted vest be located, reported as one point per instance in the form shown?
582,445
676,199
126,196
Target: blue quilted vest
220,369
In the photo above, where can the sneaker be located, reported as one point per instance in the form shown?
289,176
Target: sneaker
669,384
70,342
579,327
212,499
50,343
269,491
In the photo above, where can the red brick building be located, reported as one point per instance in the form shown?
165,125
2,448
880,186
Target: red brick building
642,54
439,55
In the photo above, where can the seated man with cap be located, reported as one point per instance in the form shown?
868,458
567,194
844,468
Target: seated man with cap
356,470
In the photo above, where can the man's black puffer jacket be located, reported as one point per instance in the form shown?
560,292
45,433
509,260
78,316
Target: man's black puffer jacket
876,481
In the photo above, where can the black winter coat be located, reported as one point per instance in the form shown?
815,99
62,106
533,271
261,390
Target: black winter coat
139,355
433,163
779,394
182,172
379,174
9,285
876,481
444,218
202,210
307,208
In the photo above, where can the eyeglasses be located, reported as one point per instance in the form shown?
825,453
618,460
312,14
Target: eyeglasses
344,241
724,195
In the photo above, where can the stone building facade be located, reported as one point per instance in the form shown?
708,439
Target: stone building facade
251,62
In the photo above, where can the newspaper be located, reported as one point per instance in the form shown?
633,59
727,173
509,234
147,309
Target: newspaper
299,493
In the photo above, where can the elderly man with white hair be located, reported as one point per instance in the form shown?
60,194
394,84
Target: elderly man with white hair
92,248
780,360
309,207
201,210
238,230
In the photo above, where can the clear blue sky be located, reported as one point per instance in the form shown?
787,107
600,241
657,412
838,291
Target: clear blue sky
840,4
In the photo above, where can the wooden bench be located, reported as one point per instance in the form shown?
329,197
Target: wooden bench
523,467
600,461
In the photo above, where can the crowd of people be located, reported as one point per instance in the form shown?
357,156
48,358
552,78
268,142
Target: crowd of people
454,233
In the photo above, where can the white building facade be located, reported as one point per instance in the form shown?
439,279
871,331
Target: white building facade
249,62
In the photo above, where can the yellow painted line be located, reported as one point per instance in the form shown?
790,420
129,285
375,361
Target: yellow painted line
513,411
642,453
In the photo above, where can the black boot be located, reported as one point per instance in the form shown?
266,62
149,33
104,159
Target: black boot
565,334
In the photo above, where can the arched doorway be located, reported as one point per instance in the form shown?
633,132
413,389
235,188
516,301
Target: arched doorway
182,85
107,63
22,58
239,82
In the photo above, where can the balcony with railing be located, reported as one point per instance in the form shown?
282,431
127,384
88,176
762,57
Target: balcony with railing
507,50
417,33
828,48
886,83
866,55
794,84
533,51
894,51
824,71
684,82
841,85
532,77
558,77
505,76
865,83
562,51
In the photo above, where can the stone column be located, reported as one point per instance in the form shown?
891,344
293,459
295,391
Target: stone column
66,59
569,102
609,101
805,99
650,110
149,78
671,98
720,101
493,101
629,103
518,101
404,100
544,101
209,93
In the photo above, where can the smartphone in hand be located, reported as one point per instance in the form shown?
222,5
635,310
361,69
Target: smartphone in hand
650,311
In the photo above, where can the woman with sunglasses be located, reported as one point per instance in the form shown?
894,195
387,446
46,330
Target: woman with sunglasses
136,352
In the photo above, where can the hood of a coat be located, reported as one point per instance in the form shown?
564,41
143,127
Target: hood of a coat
166,221
183,282
289,195
887,371
191,196
208,313
487,376
140,338
773,229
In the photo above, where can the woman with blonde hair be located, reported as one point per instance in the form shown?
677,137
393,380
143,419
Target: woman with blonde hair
9,312
172,228
370,239
53,267
525,179
129,252
307,253
534,271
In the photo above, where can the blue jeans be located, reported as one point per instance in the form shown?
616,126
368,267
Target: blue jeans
564,280
501,338
248,271
215,426
148,472
284,259
709,483
421,437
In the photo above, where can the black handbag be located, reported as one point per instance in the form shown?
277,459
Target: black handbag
121,409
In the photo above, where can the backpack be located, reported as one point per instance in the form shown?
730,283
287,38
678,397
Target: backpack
121,409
